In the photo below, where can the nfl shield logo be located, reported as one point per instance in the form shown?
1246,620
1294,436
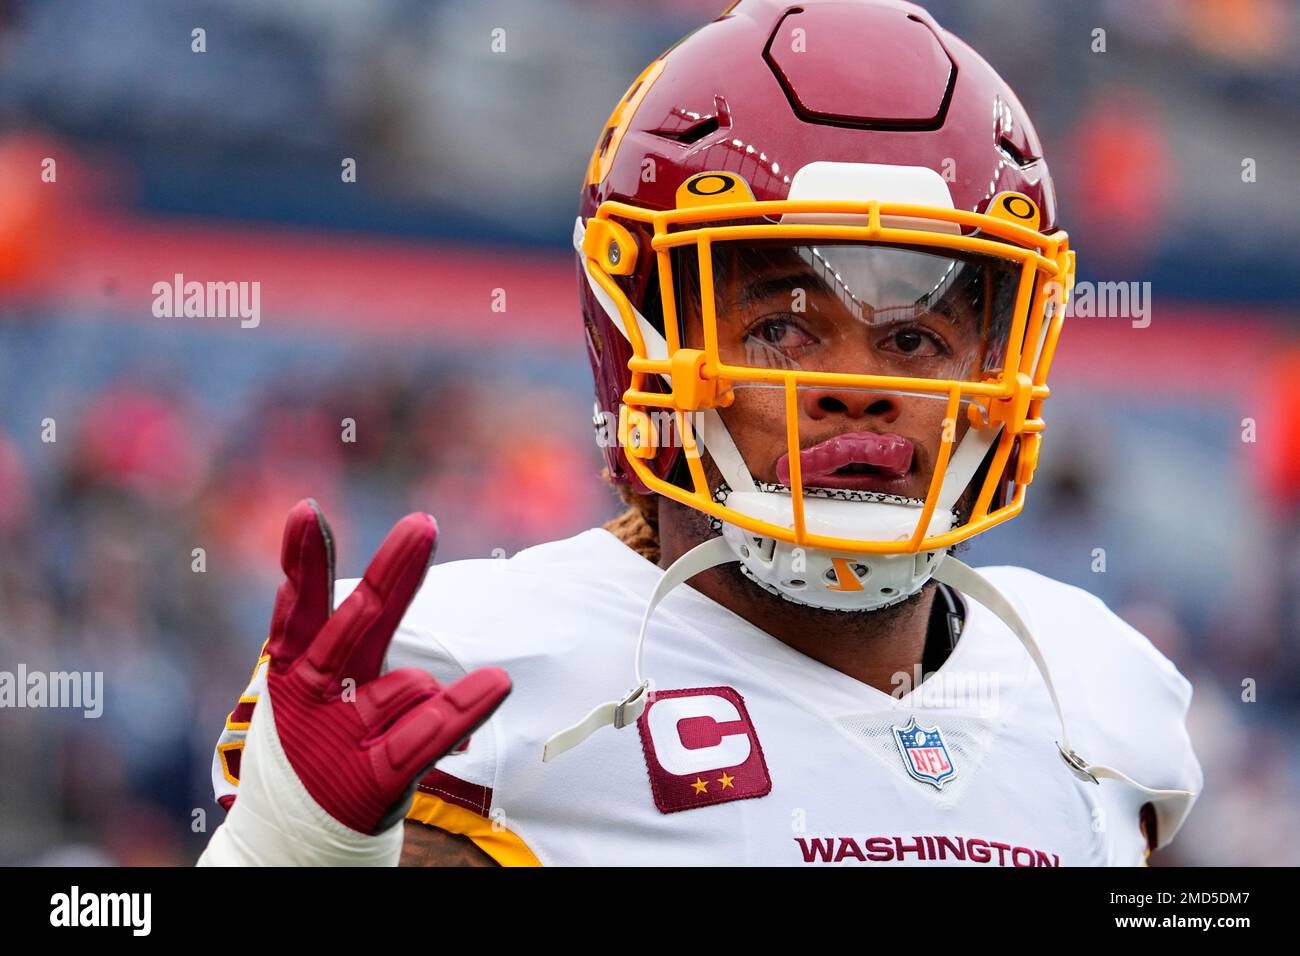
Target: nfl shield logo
925,755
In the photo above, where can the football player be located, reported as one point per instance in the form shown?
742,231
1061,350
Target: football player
822,281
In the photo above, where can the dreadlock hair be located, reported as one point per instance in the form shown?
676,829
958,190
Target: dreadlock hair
638,526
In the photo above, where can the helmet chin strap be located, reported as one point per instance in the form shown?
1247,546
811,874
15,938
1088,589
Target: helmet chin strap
716,551
970,582
702,557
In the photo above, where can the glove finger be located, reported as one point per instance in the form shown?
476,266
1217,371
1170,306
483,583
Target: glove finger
386,699
435,726
303,602
355,639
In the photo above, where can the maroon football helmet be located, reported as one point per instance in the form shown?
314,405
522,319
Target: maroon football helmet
859,138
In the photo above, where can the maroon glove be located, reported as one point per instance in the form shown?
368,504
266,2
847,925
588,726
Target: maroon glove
359,742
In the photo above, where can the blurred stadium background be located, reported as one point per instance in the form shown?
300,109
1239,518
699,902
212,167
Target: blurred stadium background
376,305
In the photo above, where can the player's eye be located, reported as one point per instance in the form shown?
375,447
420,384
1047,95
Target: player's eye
913,341
780,333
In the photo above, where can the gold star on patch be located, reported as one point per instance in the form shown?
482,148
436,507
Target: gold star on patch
726,782
700,786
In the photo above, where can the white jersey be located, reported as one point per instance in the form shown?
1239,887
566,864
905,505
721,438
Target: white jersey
753,753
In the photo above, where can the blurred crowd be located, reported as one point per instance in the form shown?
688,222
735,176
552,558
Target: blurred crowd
144,542
140,538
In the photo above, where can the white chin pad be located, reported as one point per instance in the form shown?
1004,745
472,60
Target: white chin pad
814,577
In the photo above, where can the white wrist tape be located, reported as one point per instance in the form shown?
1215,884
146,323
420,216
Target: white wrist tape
275,821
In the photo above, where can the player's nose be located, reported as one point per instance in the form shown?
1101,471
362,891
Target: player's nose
820,404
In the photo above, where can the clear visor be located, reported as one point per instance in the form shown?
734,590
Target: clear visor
851,307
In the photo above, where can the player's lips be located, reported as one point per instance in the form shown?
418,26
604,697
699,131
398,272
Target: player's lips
863,461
